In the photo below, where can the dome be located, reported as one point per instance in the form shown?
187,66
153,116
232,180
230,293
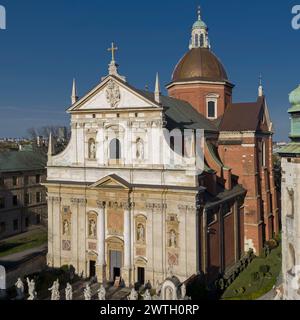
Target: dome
199,64
199,24
294,97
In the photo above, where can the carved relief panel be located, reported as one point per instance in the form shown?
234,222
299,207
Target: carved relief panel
115,221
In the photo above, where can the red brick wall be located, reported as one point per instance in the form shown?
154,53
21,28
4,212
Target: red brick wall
229,245
214,262
196,95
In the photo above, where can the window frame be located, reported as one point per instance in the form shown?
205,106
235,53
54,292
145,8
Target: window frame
212,98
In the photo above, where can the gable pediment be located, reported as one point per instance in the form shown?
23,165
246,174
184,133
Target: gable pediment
111,182
113,94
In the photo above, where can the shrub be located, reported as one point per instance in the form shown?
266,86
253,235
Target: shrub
264,269
255,276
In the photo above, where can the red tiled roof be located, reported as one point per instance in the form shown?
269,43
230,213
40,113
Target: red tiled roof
242,116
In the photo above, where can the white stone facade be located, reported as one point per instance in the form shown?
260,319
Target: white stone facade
291,227
130,215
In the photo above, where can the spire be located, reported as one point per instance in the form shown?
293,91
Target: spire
74,97
260,88
50,146
199,38
157,92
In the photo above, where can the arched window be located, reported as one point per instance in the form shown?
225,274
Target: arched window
196,40
211,110
202,40
115,149
92,149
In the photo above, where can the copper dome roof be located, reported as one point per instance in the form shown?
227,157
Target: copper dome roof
199,64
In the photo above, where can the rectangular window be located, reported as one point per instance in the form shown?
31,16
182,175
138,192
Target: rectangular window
2,203
27,222
37,178
38,197
27,199
16,225
2,227
1,181
15,200
211,109
15,181
26,180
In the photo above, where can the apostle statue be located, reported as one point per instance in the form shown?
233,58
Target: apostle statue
87,292
133,295
66,228
102,293
20,289
55,295
92,228
31,290
183,291
139,149
69,292
173,239
92,150
147,295
140,233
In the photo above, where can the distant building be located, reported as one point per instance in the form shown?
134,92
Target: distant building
290,190
22,198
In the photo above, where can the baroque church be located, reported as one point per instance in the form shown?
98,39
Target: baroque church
116,208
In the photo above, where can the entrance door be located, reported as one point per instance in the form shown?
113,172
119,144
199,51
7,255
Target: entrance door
115,264
92,269
141,275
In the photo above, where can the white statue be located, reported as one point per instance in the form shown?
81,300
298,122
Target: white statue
87,293
140,233
55,295
173,239
92,228
92,150
69,292
31,290
147,295
133,295
139,149
66,228
102,293
183,291
20,289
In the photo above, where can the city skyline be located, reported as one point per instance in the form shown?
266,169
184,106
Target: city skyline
37,70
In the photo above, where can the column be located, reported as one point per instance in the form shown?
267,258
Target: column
204,242
127,269
101,263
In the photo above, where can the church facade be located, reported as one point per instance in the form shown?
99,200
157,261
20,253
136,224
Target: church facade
126,199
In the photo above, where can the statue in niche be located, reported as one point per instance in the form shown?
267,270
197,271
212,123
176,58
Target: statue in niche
140,233
92,228
173,239
66,229
92,149
139,149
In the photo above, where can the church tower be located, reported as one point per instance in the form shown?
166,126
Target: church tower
200,78
290,190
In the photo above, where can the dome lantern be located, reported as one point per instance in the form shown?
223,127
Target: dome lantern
199,38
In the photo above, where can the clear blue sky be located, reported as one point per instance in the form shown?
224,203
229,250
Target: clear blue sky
47,43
